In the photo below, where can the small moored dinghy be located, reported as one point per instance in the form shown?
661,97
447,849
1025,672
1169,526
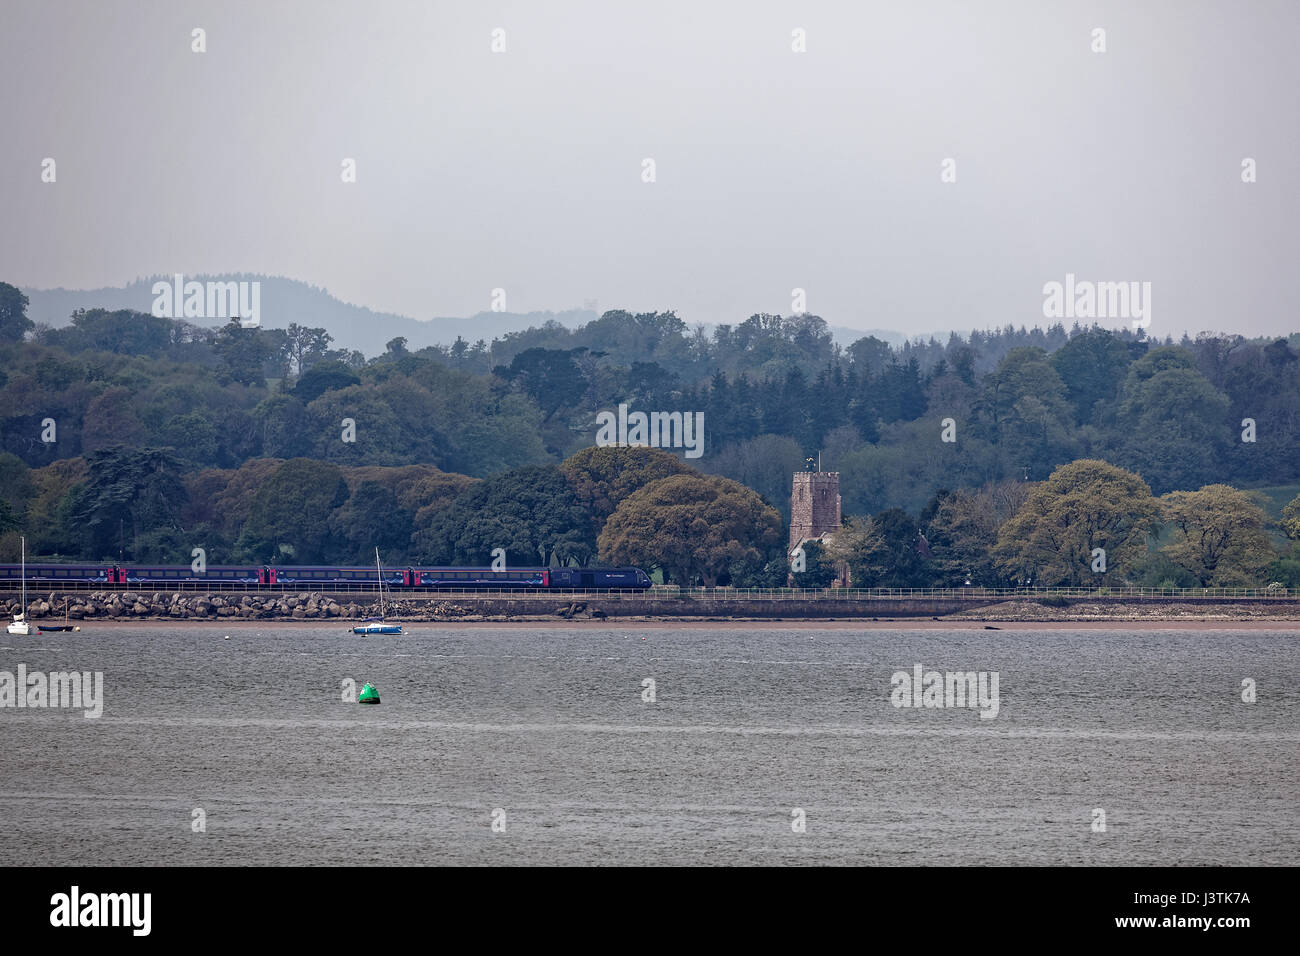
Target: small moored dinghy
65,626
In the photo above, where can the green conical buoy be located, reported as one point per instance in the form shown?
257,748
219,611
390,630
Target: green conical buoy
368,694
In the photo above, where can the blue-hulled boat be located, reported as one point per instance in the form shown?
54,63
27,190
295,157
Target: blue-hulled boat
377,625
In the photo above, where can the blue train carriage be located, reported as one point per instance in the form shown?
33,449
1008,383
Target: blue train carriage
629,579
184,574
476,578
58,573
323,576
528,578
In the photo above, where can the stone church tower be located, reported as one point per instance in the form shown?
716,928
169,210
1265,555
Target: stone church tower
814,505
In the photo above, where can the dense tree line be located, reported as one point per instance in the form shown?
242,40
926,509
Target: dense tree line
1089,524
123,432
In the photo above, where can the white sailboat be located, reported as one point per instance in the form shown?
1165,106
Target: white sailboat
378,625
20,626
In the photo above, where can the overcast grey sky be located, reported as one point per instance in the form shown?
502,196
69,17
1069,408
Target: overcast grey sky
774,169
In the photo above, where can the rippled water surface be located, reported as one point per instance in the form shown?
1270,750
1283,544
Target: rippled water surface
550,727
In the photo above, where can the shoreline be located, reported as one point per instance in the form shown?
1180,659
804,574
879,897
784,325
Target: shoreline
696,624
324,611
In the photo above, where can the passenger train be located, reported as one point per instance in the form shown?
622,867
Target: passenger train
633,579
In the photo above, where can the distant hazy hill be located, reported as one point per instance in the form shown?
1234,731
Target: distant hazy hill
287,300
353,326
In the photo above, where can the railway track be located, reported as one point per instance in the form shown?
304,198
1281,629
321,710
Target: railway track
974,595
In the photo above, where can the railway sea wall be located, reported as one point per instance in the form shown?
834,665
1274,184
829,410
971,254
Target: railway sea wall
722,604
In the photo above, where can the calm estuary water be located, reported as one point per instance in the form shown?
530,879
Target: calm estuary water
550,726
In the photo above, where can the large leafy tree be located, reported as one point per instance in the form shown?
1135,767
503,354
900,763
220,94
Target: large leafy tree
127,492
193,436
122,331
8,519
1083,506
283,426
14,323
244,354
224,498
431,498
289,515
1171,425
303,346
906,470
323,377
870,355
602,478
373,518
1219,535
495,437
691,526
1263,383
455,418
1291,519
112,419
50,529
550,377
962,531
1286,569
15,481
531,513
1092,366
819,567
375,435
882,551
1023,410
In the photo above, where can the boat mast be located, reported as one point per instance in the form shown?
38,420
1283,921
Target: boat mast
380,574
24,573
